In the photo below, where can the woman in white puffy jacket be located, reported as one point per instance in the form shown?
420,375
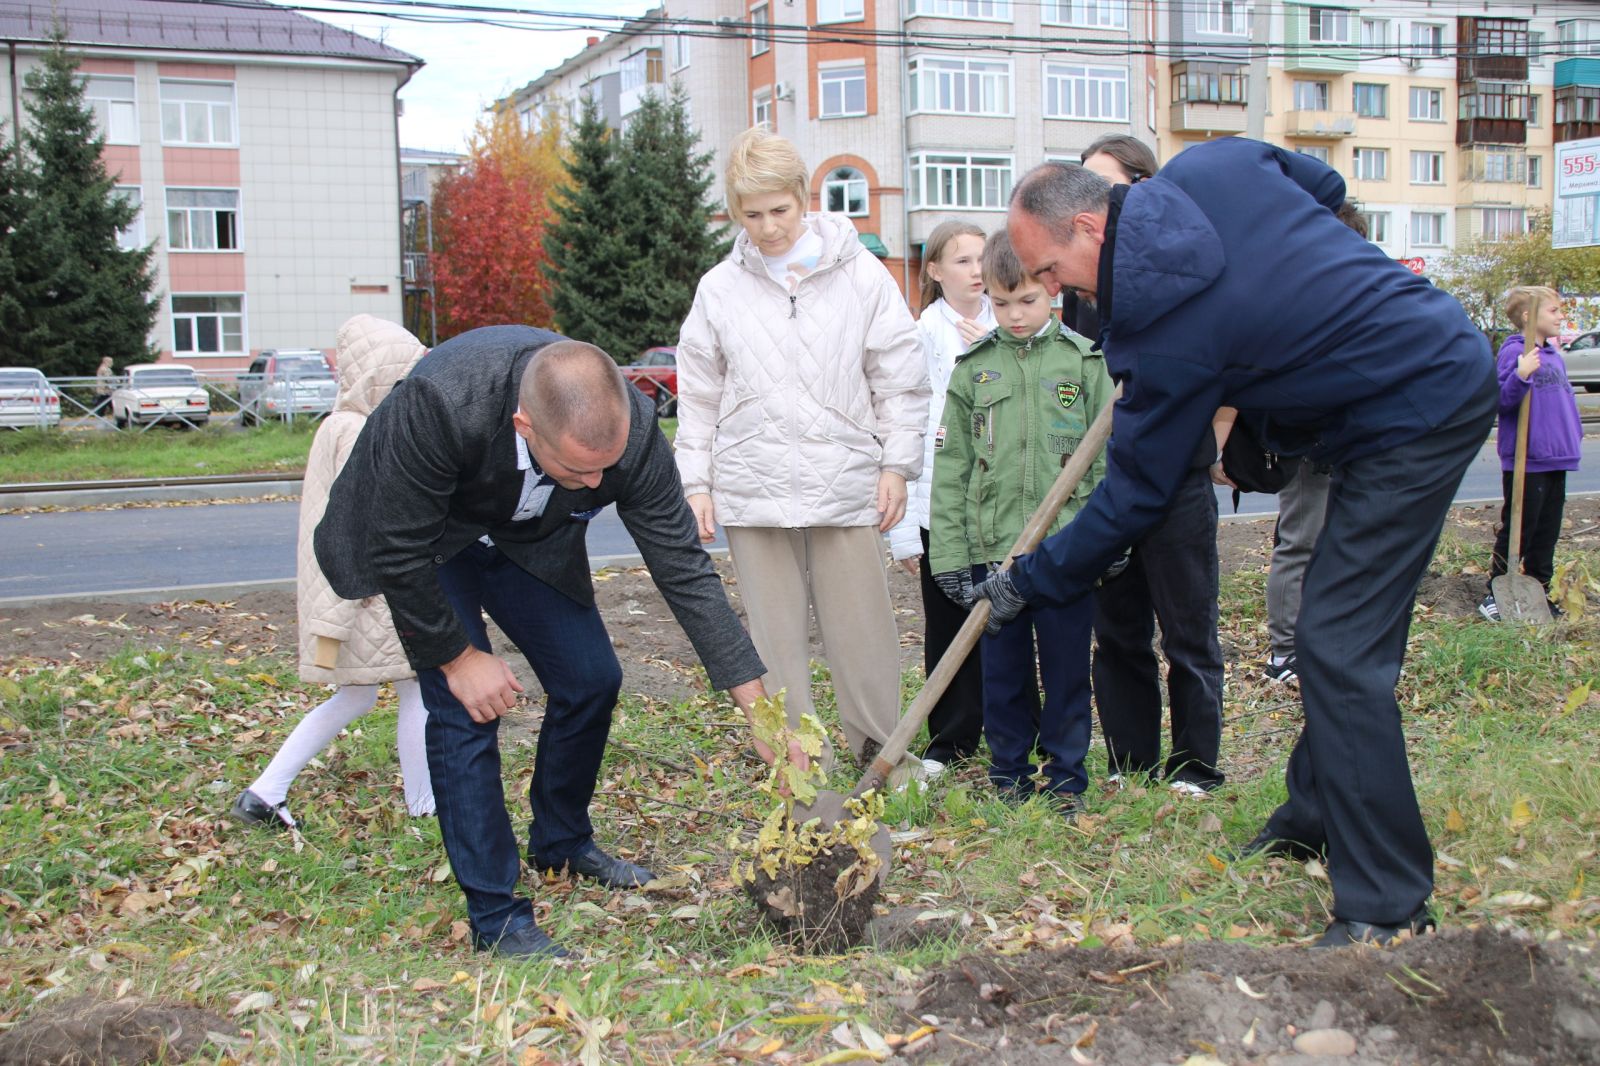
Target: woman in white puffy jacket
802,401
349,643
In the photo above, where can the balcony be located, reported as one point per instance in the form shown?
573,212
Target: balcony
415,271
1319,39
1494,193
1204,117
1495,49
1323,125
1493,112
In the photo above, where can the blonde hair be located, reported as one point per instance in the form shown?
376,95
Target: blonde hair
762,162
1524,301
943,235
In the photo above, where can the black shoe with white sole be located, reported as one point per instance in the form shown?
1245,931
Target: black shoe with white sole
251,809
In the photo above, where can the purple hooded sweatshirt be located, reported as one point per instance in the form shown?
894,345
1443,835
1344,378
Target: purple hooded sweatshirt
1555,437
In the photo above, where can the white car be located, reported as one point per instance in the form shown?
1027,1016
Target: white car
1583,361
160,392
27,400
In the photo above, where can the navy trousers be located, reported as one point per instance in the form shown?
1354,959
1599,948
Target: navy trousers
567,646
1349,782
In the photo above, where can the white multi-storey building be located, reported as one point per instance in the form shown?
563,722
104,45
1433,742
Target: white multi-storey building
261,146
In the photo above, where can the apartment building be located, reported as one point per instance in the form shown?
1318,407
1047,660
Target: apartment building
900,132
262,148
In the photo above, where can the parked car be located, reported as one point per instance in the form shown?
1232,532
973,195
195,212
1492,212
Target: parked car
655,373
1583,361
27,400
160,392
287,383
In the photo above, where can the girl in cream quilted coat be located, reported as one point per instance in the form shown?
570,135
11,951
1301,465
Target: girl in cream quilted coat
802,404
349,643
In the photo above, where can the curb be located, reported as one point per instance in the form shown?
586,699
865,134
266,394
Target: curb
232,490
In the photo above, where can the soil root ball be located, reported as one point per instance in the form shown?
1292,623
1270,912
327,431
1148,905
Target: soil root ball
804,904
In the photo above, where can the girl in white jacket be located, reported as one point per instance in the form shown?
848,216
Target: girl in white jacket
802,401
955,314
349,643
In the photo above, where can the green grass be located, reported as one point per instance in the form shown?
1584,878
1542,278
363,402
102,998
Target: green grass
35,455
117,870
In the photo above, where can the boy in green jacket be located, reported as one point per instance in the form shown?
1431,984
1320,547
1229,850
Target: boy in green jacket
1019,404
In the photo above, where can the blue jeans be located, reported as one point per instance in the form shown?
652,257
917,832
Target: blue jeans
567,646
1013,722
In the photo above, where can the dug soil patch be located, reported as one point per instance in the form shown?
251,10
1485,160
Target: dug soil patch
89,1032
1461,996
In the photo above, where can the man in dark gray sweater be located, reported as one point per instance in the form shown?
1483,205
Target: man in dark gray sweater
470,490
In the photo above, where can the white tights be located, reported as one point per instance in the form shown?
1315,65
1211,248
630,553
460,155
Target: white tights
324,722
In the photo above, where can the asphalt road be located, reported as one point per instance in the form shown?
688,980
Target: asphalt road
173,547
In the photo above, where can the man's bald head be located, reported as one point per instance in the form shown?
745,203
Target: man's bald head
572,389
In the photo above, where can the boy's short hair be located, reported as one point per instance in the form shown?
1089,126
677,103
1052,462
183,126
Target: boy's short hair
1001,267
1522,301
760,162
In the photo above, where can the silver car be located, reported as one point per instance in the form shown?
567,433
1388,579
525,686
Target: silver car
1583,361
160,392
287,383
27,400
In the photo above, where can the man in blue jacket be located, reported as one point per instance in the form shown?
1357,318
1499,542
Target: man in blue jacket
1228,280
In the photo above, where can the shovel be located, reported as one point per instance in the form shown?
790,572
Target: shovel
1519,596
829,806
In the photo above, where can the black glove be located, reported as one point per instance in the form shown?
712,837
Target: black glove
1005,602
1118,565
957,586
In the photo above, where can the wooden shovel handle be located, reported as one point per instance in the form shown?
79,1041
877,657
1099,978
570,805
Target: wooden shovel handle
1519,472
966,638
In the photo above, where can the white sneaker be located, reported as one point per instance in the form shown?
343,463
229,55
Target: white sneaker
1189,789
1117,781
932,768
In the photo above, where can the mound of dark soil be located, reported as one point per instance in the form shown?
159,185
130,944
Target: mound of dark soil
1468,996
805,907
90,1032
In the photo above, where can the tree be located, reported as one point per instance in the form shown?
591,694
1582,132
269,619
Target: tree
634,233
489,224
1481,271
79,295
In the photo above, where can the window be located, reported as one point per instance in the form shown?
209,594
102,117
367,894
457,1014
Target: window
1377,226
1427,229
1315,151
1496,99
202,220
1427,168
760,30
1536,56
964,9
1310,96
1535,172
761,109
1103,14
1330,25
1579,37
842,91
1427,105
680,51
1098,94
208,325
1228,17
845,191
1372,101
1372,164
960,86
131,238
970,181
111,100
642,68
839,10
1374,35
1210,83
1427,40
1503,165
196,112
1533,109
1498,223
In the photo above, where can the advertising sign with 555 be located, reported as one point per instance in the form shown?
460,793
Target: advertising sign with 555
1576,220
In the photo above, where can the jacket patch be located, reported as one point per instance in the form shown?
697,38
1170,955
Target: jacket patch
1062,445
938,439
1067,393
980,423
983,377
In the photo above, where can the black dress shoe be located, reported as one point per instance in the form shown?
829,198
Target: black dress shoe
1342,934
1265,843
527,942
1067,804
596,865
251,809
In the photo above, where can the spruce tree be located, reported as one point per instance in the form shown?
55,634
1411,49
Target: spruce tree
667,217
83,297
590,253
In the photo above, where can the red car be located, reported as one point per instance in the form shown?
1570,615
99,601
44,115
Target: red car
655,373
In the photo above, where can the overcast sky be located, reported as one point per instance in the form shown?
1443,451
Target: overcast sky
469,67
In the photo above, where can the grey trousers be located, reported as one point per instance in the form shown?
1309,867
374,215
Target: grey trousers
1302,512
838,572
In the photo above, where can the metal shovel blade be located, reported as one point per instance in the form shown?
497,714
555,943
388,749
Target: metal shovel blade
829,806
1520,599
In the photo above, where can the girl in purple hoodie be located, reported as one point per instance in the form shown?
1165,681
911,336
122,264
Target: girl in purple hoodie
1531,360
